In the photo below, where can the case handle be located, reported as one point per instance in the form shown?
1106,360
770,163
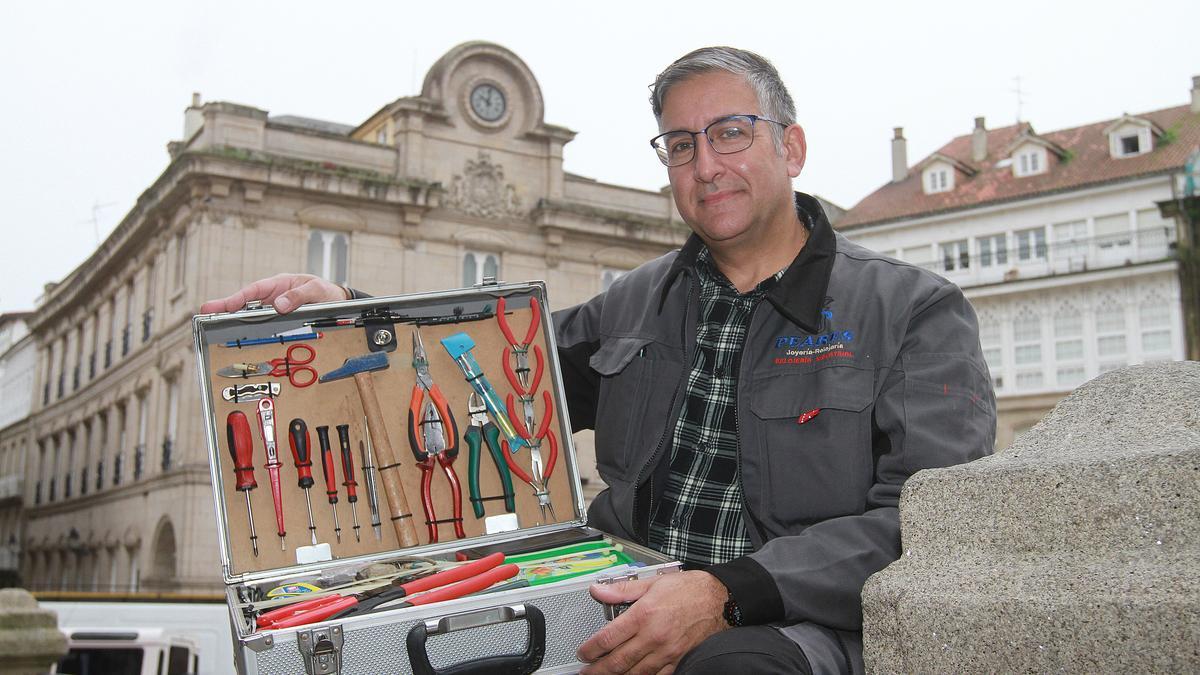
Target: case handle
514,664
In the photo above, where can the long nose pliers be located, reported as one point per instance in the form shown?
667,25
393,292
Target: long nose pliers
433,436
480,431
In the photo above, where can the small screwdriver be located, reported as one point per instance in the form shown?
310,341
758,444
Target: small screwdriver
241,448
348,473
330,477
364,446
298,437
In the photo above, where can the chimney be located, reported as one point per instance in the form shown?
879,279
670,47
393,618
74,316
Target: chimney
899,156
1196,93
193,118
979,141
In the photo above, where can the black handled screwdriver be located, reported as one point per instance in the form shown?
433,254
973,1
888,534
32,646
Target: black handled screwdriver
348,472
330,477
298,437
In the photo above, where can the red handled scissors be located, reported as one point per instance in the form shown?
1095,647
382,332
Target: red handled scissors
293,366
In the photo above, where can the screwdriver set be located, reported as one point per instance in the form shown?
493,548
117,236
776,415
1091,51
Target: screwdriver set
395,389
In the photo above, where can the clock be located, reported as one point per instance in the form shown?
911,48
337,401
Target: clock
487,101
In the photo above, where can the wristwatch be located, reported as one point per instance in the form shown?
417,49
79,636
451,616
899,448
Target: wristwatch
732,613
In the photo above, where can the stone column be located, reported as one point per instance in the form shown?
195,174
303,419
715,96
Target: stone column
30,641
1076,549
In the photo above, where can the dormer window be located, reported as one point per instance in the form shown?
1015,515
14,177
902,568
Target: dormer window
1130,137
938,178
1029,160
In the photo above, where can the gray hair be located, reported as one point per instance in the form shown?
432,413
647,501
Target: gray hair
773,97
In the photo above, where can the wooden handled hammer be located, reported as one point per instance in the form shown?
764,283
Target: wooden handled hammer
361,368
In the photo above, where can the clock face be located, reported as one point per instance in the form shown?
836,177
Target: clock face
488,102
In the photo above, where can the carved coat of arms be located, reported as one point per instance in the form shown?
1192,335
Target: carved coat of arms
481,191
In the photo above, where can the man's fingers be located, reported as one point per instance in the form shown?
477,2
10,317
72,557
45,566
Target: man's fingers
312,290
621,591
605,640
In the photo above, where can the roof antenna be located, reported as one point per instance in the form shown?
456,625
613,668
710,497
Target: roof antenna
95,219
1020,96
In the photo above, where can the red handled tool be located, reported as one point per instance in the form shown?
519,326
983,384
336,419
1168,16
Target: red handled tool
294,366
266,418
437,441
301,452
453,583
520,349
540,478
241,448
330,477
348,473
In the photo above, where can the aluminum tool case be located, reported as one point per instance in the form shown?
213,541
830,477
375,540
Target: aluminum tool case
537,627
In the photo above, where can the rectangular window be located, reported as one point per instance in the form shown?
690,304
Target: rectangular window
1154,234
180,259
995,359
1070,376
1111,345
1026,354
921,256
327,255
1112,232
1156,341
1070,240
1130,145
1110,319
1068,325
955,255
1068,350
1031,244
993,250
1030,379
1154,315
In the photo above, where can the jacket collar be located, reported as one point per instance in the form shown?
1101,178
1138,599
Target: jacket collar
800,293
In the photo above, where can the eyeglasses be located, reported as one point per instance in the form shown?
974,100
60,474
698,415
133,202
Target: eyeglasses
726,136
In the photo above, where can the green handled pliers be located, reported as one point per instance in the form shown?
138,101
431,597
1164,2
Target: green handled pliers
483,430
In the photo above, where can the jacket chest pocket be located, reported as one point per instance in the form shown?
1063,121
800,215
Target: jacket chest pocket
638,383
812,442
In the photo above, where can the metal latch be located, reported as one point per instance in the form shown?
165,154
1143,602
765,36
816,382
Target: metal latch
322,650
487,281
252,305
613,611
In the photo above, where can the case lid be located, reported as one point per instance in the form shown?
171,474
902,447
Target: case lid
342,376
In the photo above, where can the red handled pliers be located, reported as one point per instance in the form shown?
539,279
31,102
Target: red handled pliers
539,480
521,349
437,442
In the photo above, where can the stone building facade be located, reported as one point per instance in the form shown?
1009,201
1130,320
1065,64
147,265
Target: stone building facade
432,191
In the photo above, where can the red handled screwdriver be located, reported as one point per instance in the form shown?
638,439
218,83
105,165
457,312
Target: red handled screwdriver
241,448
298,437
348,473
266,416
330,477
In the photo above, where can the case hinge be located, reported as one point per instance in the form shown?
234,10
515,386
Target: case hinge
322,650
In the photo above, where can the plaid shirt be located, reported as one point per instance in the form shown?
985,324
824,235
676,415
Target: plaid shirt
699,519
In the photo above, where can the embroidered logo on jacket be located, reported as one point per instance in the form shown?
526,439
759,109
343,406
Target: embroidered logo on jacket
828,344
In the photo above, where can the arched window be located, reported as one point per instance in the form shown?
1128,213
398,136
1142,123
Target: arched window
327,255
477,266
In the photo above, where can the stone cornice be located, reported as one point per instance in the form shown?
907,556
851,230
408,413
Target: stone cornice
549,213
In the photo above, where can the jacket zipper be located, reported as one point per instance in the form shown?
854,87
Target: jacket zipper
644,537
737,415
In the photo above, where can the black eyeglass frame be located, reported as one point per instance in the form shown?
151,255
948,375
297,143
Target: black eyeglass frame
662,152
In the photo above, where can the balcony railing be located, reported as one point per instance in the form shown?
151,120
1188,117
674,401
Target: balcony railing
67,486
1064,257
117,462
46,394
83,481
166,454
147,322
99,475
92,366
52,491
37,493
62,380
125,332
139,461
107,354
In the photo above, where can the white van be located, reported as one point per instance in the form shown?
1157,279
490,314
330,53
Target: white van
127,651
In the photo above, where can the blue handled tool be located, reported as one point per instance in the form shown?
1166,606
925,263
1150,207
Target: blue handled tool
459,347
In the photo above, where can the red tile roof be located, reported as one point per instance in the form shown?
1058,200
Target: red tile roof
1088,162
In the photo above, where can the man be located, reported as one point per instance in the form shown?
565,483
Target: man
759,396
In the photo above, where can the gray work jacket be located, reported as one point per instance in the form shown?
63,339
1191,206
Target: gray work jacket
857,371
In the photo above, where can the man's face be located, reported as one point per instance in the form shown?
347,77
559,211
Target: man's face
730,198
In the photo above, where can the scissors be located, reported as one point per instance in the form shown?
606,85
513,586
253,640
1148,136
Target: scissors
292,366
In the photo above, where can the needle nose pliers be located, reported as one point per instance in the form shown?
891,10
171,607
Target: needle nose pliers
436,442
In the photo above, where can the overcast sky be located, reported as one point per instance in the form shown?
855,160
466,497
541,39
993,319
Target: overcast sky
92,92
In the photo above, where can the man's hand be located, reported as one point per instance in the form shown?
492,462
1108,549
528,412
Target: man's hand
284,292
673,614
